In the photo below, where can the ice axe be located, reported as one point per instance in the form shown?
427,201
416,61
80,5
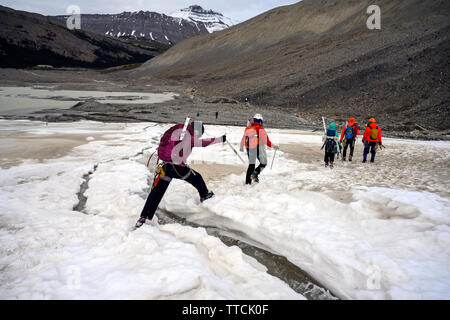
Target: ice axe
379,146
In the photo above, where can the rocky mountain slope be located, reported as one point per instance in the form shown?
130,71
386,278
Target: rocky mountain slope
317,57
213,21
29,39
143,24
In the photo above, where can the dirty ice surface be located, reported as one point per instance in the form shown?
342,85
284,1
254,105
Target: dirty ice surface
50,251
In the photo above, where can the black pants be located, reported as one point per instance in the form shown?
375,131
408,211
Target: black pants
158,190
254,154
349,143
370,145
329,157
251,170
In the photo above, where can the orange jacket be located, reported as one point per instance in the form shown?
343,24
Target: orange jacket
255,135
369,128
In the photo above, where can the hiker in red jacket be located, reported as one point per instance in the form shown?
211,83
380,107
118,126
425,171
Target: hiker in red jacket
371,139
255,139
174,148
349,134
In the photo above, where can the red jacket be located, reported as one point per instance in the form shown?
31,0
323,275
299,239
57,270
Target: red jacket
255,135
366,136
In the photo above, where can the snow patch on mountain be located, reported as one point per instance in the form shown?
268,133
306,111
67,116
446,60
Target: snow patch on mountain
144,24
213,21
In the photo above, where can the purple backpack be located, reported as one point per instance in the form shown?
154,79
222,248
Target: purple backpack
167,143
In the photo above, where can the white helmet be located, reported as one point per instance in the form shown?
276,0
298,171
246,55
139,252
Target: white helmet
258,117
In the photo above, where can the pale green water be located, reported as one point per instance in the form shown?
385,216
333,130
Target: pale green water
22,100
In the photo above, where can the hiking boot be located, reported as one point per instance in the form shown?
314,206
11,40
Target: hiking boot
331,166
209,195
255,178
140,222
326,165
364,160
350,158
343,159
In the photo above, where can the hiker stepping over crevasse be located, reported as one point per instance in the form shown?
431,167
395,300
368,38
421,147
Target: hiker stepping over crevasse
348,138
330,143
174,148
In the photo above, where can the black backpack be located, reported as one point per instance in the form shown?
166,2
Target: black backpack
330,145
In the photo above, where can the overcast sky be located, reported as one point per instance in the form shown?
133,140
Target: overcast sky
240,10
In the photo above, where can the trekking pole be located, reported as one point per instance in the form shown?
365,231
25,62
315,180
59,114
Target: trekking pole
234,150
273,159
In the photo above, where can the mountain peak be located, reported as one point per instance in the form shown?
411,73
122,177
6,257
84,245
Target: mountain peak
198,9
213,21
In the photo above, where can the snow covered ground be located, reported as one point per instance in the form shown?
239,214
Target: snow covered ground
376,231
50,251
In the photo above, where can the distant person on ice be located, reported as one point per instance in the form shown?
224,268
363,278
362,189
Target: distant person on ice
348,138
330,143
371,140
255,140
174,148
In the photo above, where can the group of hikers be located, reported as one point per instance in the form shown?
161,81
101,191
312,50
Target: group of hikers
176,145
332,141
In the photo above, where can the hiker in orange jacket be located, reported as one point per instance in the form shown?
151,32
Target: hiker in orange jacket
371,138
255,139
349,134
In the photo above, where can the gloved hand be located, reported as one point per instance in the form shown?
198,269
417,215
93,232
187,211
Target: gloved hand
276,147
224,138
